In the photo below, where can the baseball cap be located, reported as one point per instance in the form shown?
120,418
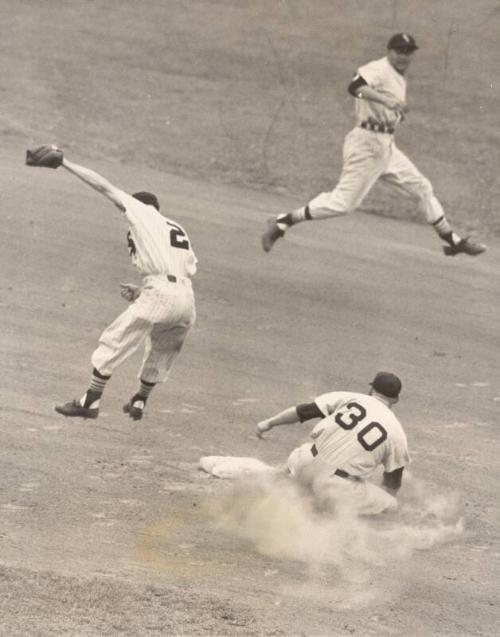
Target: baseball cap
402,41
148,198
386,384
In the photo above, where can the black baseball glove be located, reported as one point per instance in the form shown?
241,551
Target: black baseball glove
46,156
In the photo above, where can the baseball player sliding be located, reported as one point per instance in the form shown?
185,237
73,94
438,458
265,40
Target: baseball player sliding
356,434
161,311
370,153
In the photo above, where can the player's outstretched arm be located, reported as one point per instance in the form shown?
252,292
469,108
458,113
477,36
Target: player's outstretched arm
288,416
97,182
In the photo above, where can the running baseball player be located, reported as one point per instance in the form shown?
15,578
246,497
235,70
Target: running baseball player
370,153
356,434
161,310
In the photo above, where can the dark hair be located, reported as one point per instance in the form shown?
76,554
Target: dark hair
148,198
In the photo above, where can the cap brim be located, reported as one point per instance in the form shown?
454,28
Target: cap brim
405,48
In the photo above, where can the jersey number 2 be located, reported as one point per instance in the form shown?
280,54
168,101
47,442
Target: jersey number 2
352,414
178,237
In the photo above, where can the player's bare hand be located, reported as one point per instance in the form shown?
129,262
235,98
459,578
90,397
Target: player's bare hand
396,106
129,291
262,427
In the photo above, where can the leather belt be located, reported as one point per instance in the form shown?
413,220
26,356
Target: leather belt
339,472
377,128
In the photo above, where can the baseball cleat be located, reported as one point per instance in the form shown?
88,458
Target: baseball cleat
271,235
466,246
135,408
73,409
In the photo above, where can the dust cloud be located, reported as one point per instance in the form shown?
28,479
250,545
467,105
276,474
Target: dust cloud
283,521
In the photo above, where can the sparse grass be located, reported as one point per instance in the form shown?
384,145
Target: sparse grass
255,93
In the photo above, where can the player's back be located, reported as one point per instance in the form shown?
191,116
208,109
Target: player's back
361,433
157,244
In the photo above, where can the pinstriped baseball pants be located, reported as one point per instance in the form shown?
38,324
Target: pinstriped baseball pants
361,496
160,318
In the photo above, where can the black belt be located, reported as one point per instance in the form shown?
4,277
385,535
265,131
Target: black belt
339,472
377,128
172,278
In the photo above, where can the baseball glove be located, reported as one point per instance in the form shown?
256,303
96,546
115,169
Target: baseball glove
46,156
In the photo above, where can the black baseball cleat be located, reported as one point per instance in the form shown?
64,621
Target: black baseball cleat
465,246
73,409
271,235
135,407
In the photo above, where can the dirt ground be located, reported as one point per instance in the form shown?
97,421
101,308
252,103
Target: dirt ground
230,113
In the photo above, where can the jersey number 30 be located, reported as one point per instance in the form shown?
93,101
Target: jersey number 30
351,415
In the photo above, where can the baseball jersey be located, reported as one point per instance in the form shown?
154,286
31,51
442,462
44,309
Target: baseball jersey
383,77
157,245
359,433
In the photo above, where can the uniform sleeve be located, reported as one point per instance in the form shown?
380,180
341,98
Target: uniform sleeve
397,455
134,209
192,264
328,403
307,411
356,83
370,73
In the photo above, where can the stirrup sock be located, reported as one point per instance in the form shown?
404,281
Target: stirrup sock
291,218
96,388
443,228
145,389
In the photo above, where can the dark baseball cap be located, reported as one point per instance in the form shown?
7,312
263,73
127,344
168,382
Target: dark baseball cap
148,198
386,384
402,41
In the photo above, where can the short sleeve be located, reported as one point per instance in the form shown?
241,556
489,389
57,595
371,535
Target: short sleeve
397,455
328,403
370,73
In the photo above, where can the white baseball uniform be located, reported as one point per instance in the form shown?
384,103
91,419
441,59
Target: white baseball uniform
358,434
369,155
165,310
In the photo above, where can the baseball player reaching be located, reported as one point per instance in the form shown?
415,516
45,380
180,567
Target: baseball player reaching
161,310
370,153
356,434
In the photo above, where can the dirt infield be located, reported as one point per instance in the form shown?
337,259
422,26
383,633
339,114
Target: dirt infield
108,527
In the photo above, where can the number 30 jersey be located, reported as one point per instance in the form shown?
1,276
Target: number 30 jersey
359,433
157,245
